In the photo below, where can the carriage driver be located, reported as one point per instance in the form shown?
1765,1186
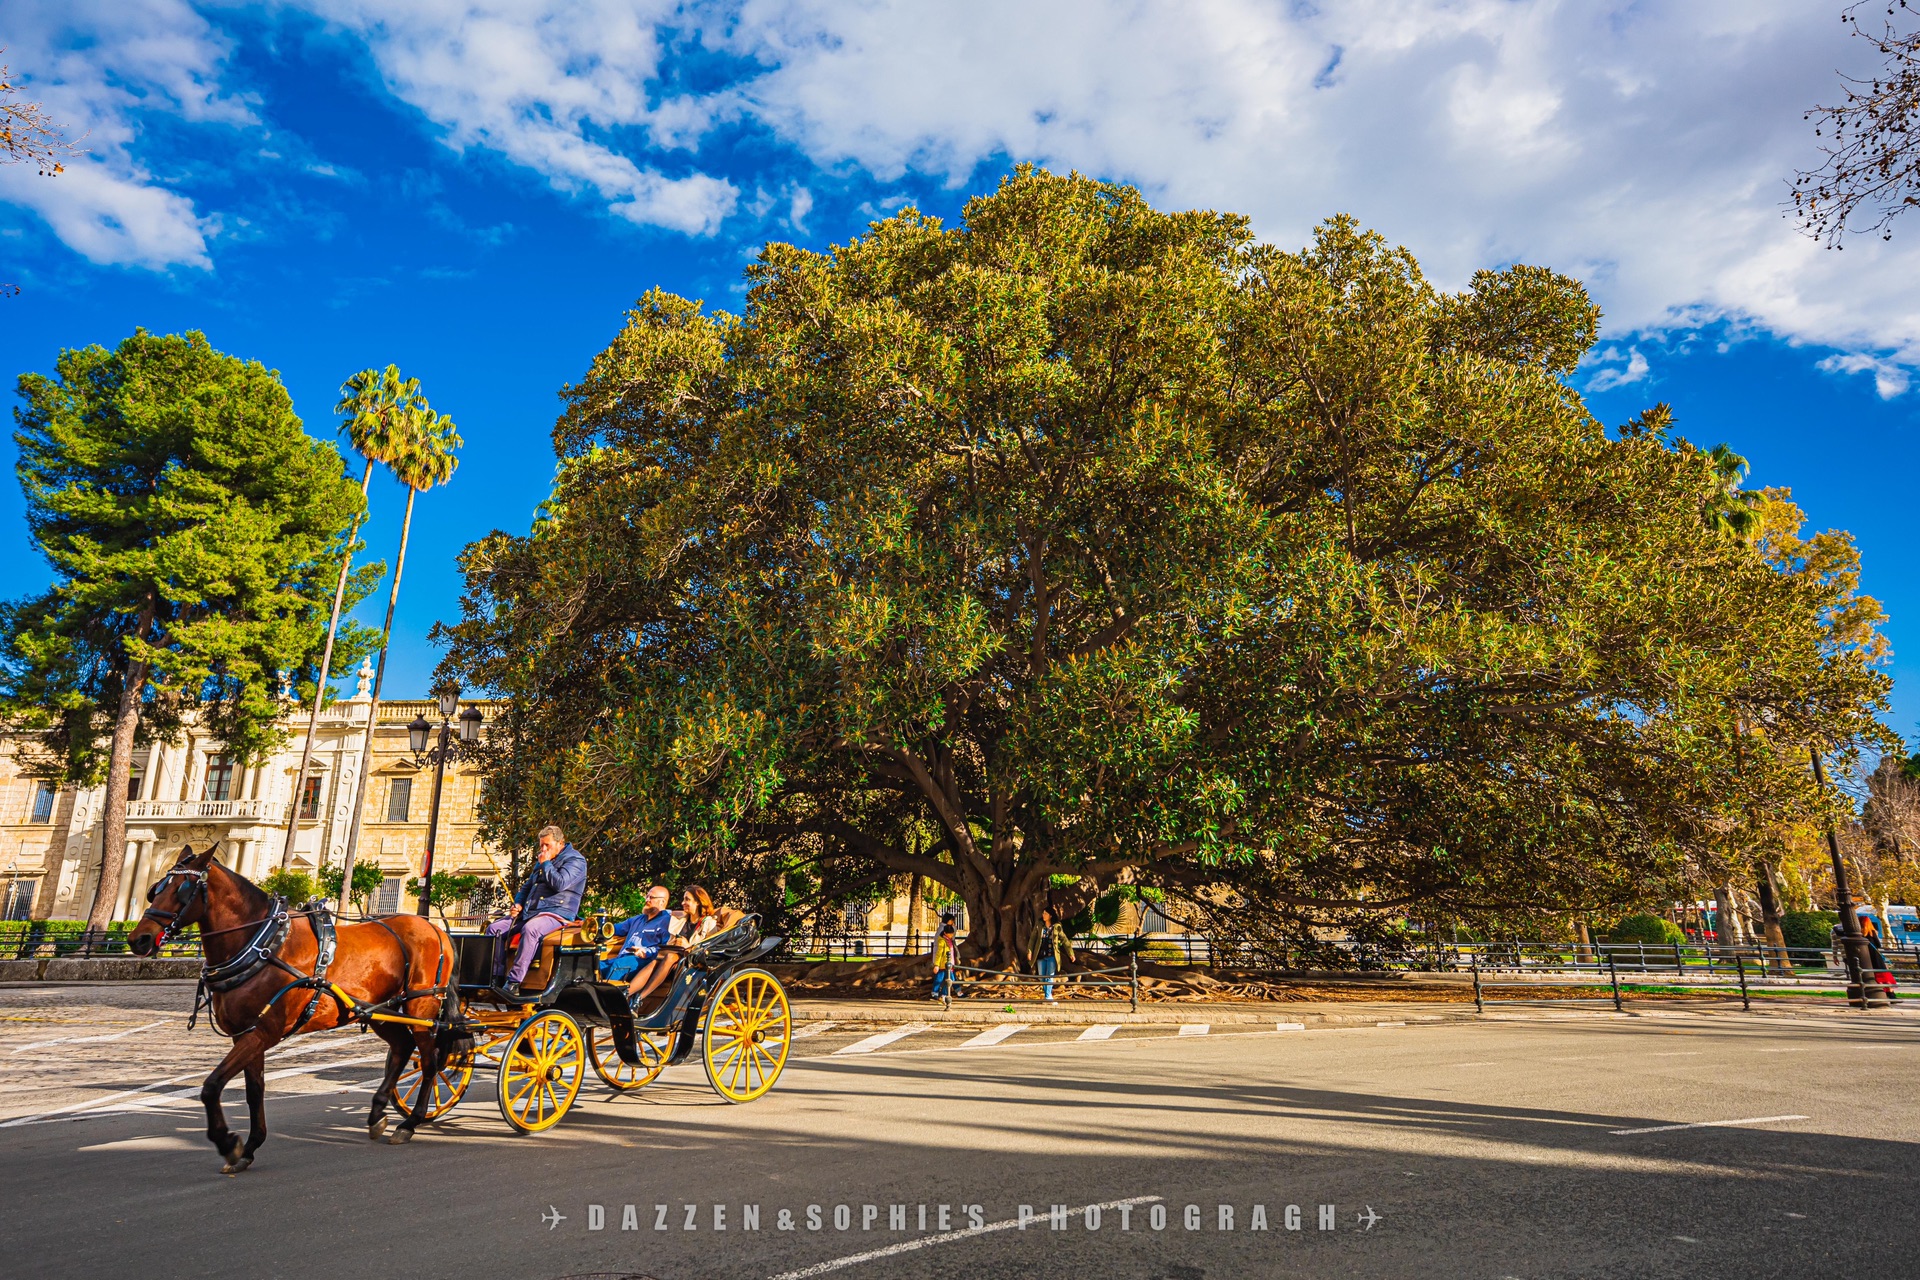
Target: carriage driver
548,899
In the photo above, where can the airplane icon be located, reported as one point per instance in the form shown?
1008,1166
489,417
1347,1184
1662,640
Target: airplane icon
1369,1218
552,1217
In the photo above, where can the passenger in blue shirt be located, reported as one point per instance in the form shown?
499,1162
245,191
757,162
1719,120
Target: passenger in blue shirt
645,934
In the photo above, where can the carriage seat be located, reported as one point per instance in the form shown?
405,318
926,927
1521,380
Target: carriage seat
574,933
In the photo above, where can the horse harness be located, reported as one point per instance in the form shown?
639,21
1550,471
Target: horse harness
262,952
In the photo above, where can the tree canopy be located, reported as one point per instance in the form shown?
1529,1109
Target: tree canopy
195,531
1082,544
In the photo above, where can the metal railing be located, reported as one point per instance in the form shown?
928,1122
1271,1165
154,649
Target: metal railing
63,940
964,982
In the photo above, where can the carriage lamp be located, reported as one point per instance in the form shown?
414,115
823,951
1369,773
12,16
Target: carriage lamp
449,700
417,731
470,724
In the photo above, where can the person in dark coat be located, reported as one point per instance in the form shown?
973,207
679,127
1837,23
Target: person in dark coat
548,899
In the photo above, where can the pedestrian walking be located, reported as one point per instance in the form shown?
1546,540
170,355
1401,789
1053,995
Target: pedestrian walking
1050,949
946,949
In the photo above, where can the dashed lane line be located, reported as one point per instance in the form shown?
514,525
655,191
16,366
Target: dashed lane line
117,1102
1194,1028
994,1035
1102,1031
117,1035
946,1237
813,1029
884,1039
1706,1124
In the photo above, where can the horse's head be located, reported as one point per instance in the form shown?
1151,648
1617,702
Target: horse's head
176,900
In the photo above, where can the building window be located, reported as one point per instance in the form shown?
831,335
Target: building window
310,798
18,899
399,796
386,899
43,794
219,779
133,785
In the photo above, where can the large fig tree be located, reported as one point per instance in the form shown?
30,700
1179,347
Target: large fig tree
1082,544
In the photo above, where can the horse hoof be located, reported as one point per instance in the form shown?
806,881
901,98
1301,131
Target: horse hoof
235,1166
400,1137
376,1127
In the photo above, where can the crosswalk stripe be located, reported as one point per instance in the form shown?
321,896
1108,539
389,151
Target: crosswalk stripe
994,1035
1104,1031
813,1029
1194,1028
884,1039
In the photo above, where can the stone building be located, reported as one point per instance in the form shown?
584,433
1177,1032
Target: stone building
188,792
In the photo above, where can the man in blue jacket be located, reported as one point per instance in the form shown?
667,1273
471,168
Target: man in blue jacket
643,936
548,899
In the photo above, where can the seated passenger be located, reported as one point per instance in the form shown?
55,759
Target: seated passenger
700,921
549,897
641,937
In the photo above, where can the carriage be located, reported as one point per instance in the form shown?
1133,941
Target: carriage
541,1047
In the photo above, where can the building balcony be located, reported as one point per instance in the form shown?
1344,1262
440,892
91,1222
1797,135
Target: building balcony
206,810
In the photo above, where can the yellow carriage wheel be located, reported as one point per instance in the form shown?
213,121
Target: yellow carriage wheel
614,1072
449,1085
749,1028
540,1071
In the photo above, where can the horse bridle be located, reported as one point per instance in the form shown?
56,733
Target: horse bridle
185,896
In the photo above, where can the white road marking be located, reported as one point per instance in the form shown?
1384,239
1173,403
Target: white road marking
994,1035
1706,1124
946,1237
1290,1026
813,1029
1103,1031
114,1103
1194,1028
117,1035
1389,1024
884,1039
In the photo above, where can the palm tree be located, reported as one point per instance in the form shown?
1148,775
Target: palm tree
1731,510
374,403
422,456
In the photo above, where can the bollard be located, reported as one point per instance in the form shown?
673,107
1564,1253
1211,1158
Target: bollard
1614,974
1741,969
1478,1005
1133,980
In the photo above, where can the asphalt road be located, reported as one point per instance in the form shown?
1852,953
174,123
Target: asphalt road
1527,1148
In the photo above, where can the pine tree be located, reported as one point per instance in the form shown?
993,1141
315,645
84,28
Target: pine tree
194,529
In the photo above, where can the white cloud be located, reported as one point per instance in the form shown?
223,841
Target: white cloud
1646,148
1632,368
96,64
551,86
1889,379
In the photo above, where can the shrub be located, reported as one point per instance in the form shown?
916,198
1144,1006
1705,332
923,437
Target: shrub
1648,929
1808,928
296,887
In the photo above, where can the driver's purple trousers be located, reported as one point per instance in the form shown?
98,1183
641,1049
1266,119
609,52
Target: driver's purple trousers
530,937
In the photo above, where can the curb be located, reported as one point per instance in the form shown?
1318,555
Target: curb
100,970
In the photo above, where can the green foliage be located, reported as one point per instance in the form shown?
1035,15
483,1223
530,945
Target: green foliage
297,887
367,877
1082,545
465,891
1647,929
1808,928
192,526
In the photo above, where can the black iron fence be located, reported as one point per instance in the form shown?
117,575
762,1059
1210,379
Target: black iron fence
72,940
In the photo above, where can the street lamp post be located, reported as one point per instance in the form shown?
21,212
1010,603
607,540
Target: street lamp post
1863,980
417,732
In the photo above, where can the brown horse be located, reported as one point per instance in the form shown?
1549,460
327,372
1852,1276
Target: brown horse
256,955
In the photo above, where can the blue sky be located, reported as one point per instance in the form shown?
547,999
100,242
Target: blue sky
476,190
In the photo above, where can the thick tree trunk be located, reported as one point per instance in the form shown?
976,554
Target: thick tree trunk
913,917
1726,922
126,721
1770,916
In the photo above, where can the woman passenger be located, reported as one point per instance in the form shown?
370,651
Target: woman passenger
700,921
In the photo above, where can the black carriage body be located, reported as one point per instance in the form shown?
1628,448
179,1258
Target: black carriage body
576,988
